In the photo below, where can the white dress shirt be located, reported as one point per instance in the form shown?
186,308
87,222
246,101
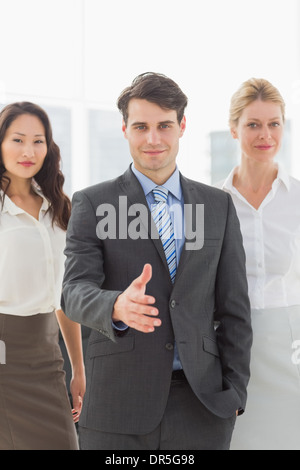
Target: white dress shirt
31,261
271,238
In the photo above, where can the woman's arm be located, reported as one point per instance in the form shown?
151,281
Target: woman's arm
71,333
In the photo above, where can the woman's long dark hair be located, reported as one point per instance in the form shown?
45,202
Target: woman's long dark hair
50,178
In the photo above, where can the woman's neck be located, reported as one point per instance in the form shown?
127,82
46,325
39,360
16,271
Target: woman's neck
255,176
22,194
18,187
254,180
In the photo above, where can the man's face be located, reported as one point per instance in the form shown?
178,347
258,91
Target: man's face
153,134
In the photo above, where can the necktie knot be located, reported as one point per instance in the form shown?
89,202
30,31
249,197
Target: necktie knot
160,194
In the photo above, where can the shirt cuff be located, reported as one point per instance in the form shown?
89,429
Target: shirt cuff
120,326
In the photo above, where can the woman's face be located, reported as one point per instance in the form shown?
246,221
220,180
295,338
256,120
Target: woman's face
260,131
24,147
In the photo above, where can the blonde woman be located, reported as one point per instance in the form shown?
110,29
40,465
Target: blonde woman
267,201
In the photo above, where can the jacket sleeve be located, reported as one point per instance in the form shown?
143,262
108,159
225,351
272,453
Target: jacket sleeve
83,299
232,308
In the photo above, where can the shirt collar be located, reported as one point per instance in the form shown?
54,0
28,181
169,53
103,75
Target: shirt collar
10,207
172,185
227,184
282,176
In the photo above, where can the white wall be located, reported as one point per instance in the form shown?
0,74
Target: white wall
82,53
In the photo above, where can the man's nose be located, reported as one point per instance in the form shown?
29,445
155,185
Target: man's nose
153,137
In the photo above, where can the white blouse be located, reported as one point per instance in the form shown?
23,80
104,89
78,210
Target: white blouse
31,261
271,238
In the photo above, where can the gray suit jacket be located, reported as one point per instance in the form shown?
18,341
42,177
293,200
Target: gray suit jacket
128,374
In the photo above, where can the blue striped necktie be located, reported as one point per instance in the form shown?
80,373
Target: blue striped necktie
162,219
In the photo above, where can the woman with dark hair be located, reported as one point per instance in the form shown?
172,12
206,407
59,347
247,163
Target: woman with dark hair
34,212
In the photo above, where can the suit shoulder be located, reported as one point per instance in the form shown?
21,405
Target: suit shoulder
100,187
210,191
99,190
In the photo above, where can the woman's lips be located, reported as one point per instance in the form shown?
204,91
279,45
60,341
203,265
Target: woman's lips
264,147
26,164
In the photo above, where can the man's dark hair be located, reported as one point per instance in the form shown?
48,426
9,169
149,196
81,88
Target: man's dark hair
156,88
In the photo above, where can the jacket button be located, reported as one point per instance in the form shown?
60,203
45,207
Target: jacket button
169,346
173,303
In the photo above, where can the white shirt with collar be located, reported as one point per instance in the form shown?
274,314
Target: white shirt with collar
31,261
271,238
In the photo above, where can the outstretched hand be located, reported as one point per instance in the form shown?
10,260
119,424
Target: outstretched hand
134,308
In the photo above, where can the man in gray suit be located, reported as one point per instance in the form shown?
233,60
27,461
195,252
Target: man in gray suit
156,268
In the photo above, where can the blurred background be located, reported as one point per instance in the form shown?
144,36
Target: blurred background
74,57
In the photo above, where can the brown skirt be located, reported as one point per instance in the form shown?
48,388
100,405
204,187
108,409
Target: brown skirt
35,411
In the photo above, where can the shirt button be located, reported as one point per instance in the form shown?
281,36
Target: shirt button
169,346
173,303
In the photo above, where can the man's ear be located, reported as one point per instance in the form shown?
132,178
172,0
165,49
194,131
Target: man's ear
124,129
182,126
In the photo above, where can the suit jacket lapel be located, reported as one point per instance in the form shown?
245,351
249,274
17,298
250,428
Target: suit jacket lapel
135,194
188,196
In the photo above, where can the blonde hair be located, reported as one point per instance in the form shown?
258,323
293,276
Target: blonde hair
250,91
